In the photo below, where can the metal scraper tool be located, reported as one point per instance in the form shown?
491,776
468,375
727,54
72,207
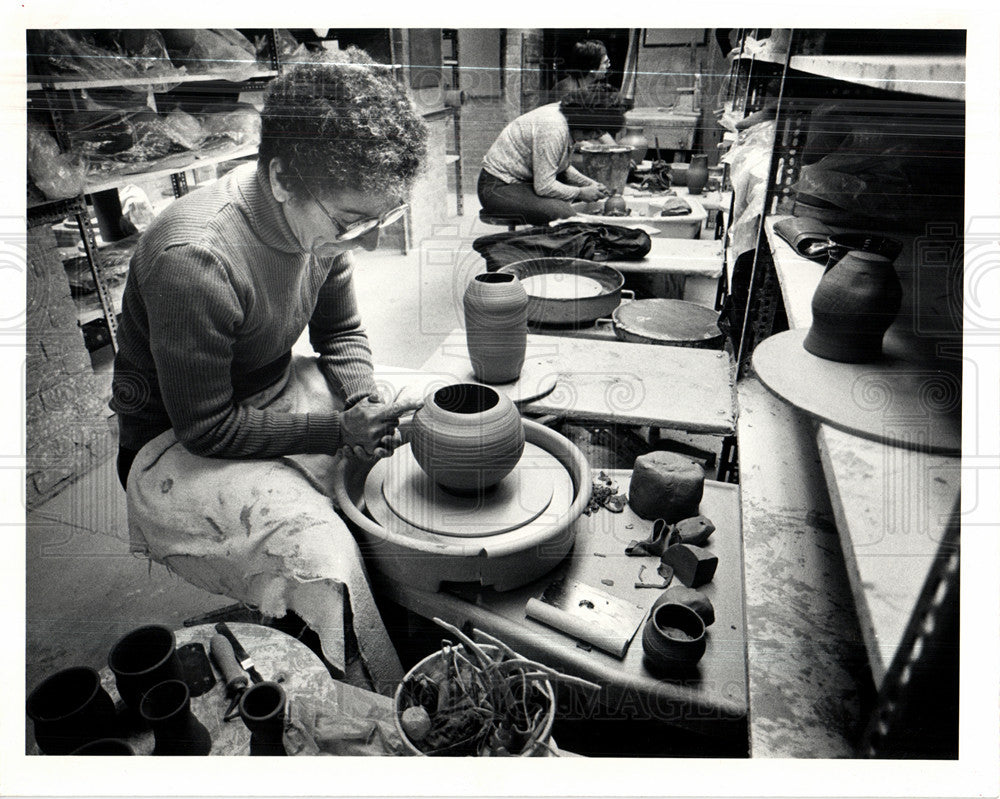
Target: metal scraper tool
587,613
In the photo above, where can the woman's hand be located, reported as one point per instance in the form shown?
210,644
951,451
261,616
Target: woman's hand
593,193
369,428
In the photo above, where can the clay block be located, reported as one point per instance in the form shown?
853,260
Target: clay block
692,598
666,486
692,565
695,531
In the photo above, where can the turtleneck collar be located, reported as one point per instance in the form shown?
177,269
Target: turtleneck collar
265,212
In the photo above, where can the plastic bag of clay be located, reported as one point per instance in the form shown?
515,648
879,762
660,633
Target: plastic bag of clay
212,50
55,173
238,124
749,160
288,46
101,54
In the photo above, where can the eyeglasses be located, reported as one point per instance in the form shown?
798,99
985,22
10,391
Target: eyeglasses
355,230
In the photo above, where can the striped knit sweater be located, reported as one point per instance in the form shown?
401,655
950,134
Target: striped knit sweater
218,291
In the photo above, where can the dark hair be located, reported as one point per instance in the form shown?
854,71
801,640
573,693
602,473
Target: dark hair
594,108
586,57
340,120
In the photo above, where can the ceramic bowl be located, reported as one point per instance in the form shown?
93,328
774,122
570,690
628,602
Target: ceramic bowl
674,635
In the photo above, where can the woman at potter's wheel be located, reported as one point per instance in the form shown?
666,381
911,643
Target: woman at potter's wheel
226,437
527,174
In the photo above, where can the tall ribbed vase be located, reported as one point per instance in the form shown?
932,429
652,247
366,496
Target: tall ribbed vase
496,326
853,306
697,174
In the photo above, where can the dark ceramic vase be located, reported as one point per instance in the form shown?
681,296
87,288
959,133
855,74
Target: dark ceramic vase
674,636
467,437
262,709
854,304
106,747
697,174
141,659
70,709
166,707
496,326
635,139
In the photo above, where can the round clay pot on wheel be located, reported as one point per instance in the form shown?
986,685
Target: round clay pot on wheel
854,304
674,636
496,326
697,174
467,437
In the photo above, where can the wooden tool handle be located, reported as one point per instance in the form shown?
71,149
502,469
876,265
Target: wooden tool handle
225,659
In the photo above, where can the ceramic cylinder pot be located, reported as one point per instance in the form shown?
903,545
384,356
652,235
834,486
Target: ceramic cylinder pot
674,636
697,174
106,747
496,326
854,304
141,659
635,138
262,709
467,437
70,709
166,707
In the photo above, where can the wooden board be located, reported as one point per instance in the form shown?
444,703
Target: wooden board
803,648
892,507
894,400
677,388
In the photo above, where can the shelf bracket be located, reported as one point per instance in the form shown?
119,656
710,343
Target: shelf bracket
103,292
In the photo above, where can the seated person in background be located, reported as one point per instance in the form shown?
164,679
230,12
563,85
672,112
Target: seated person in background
586,66
227,439
526,173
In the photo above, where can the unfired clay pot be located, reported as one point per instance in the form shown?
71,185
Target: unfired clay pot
69,709
496,326
166,707
854,304
674,635
262,709
697,174
467,437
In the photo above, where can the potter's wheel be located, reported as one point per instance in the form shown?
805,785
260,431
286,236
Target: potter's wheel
517,500
414,532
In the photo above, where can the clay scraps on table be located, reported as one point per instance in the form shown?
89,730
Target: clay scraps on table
604,494
695,530
665,571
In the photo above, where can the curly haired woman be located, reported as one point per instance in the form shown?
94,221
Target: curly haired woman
225,436
526,173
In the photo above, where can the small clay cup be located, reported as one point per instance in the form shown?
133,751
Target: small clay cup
262,709
166,707
141,659
70,709
674,636
105,746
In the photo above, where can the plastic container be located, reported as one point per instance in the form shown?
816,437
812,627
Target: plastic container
646,212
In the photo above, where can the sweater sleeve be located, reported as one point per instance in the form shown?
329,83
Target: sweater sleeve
193,325
549,147
336,334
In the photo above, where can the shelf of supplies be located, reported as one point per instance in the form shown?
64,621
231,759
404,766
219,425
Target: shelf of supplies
240,75
169,165
940,76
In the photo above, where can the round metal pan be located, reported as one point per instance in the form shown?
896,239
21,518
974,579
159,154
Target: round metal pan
672,322
573,310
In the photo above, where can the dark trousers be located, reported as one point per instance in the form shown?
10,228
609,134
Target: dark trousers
125,458
519,201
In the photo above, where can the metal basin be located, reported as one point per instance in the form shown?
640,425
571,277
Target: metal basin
567,291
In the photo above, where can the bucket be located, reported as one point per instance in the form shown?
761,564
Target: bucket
606,163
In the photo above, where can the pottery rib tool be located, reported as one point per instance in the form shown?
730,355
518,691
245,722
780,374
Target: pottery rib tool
587,613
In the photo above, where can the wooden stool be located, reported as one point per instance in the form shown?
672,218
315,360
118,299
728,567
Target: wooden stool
511,222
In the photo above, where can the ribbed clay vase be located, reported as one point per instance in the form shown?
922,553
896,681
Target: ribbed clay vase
467,437
635,139
166,707
262,709
674,636
697,174
496,326
854,304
